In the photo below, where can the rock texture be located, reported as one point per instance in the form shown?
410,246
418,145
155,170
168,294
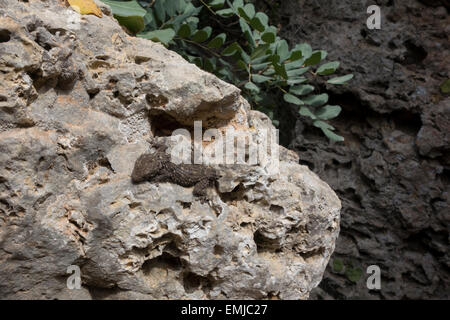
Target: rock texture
392,172
79,102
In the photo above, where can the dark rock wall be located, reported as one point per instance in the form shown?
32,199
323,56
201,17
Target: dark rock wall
392,173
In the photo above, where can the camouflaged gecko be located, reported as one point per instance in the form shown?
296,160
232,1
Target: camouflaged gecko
157,167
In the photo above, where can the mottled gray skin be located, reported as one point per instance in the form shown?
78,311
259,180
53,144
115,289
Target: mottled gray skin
157,167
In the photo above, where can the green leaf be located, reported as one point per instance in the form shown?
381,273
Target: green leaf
295,81
302,90
181,6
338,265
247,12
126,8
225,13
259,22
300,51
164,36
261,59
323,125
218,41
269,36
134,23
260,78
184,31
242,65
252,87
259,51
292,99
245,56
238,3
294,65
324,54
354,274
247,31
341,80
171,7
275,58
216,4
315,58
445,87
263,19
327,130
304,111
316,100
160,10
280,70
230,50
150,20
260,66
202,35
129,14
328,112
188,15
328,68
210,64
297,72
283,50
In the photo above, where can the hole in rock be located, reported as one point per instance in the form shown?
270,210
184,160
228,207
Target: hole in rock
5,35
218,250
192,282
164,261
156,100
264,243
407,121
415,55
163,124
276,209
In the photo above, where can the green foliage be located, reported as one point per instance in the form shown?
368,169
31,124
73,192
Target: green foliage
338,265
129,14
347,268
242,48
354,274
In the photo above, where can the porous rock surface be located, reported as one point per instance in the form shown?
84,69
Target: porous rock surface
79,102
392,172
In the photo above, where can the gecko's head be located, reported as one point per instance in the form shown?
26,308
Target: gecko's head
145,168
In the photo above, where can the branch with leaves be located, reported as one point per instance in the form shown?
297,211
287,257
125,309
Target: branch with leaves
259,62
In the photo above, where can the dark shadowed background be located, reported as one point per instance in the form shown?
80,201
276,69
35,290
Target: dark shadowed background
392,171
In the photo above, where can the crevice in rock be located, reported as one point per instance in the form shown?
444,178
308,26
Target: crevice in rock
272,295
163,124
237,194
218,250
276,209
104,162
415,53
407,121
164,261
5,35
156,100
99,293
265,244
313,253
192,282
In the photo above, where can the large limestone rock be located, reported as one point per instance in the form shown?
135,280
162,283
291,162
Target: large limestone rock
79,102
